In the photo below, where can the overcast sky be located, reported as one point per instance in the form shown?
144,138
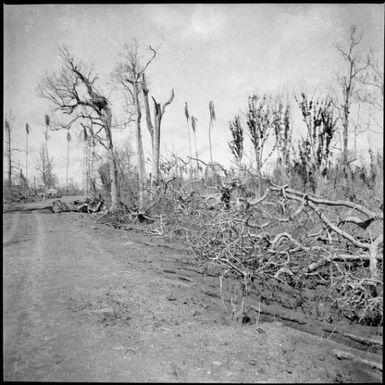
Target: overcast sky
219,52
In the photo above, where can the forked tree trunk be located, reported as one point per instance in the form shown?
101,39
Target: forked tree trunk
154,130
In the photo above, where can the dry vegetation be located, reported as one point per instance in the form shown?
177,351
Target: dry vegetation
326,253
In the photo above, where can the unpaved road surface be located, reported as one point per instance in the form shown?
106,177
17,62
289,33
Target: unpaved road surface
84,302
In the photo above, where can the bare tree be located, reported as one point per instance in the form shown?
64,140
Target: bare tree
73,92
349,83
129,74
373,80
154,129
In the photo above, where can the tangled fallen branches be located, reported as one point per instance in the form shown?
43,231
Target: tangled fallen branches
301,241
295,238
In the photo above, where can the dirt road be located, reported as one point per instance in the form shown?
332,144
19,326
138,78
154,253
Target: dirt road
83,302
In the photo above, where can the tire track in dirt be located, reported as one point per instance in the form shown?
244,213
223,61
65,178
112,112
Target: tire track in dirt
27,347
46,340
17,267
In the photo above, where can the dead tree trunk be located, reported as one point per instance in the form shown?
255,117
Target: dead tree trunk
150,127
158,115
139,148
154,130
115,195
9,151
156,143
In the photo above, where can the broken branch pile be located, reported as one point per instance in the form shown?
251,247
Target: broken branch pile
89,205
299,250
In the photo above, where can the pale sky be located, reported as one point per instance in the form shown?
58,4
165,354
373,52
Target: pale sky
219,52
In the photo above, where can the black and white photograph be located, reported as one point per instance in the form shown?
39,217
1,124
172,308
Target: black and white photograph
193,192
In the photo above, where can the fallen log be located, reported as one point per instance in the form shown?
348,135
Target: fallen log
88,206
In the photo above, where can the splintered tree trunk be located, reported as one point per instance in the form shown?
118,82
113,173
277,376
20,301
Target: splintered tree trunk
154,175
153,130
139,149
156,143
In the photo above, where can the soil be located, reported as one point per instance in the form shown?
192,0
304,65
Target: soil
85,302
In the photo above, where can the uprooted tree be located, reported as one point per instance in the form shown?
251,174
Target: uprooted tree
73,93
